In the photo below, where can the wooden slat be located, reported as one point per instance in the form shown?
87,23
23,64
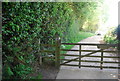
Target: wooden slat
47,51
74,59
69,65
80,50
88,44
68,55
69,60
90,50
111,51
87,50
90,56
98,61
49,57
51,45
103,56
108,67
90,53
68,50
98,51
81,57
91,61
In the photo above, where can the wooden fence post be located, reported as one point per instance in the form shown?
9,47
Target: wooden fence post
57,52
79,56
118,47
101,59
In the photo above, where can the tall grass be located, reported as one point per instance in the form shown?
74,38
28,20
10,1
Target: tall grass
80,36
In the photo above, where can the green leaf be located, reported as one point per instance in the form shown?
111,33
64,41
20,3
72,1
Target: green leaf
9,71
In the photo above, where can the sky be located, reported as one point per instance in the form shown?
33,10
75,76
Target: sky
113,12
112,6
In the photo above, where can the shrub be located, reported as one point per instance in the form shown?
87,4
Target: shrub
110,36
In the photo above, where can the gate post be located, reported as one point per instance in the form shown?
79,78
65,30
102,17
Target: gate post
118,46
79,56
101,59
57,52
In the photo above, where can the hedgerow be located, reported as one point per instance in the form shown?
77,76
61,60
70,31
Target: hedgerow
26,24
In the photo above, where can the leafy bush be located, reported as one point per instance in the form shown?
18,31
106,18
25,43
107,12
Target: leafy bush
111,36
24,24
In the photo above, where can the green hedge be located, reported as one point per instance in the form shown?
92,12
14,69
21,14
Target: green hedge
27,23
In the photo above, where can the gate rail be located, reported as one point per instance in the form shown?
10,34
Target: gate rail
78,59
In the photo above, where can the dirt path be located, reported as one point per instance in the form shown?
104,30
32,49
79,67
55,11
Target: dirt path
70,72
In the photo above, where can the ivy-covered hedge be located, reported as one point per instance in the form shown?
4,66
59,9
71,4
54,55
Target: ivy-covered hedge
27,23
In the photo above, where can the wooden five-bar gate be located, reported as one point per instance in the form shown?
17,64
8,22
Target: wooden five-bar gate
59,61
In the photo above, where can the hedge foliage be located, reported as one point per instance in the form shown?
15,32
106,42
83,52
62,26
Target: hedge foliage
111,36
27,23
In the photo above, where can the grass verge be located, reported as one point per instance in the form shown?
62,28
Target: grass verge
80,36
